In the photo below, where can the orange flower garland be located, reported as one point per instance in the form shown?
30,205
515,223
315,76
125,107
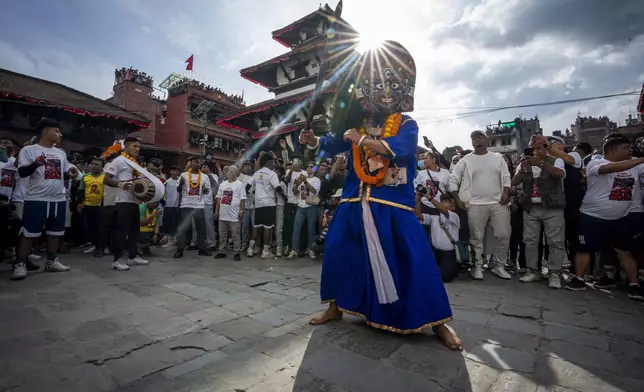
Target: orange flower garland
391,127
194,185
135,173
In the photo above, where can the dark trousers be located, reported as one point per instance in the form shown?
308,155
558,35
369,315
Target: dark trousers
170,220
92,216
447,264
126,232
517,248
106,228
184,229
572,215
290,210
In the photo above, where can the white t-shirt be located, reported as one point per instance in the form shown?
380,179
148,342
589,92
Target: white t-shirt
47,182
440,240
250,196
265,181
121,172
486,178
292,198
8,177
171,193
194,197
611,196
230,195
536,173
440,182
579,163
305,191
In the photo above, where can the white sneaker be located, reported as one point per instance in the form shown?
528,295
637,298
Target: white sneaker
19,271
278,252
266,254
55,266
89,250
530,277
34,257
137,261
477,273
119,266
544,272
312,255
292,255
554,282
249,252
499,271
107,251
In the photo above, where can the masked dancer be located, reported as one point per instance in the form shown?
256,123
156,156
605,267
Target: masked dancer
377,262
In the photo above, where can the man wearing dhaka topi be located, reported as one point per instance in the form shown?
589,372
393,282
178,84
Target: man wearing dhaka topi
377,262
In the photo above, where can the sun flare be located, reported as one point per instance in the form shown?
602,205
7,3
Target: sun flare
369,40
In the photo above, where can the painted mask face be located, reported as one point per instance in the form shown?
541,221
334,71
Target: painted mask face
385,80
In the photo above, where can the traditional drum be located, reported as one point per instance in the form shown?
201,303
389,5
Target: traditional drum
144,189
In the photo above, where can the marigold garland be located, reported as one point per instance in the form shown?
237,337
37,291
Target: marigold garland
194,185
390,129
135,173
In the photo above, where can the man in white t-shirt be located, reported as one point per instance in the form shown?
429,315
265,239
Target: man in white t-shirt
45,204
194,189
171,209
231,200
543,199
480,185
290,208
248,219
209,206
119,174
614,189
267,186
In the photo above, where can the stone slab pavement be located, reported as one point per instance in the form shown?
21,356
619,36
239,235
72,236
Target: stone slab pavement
199,324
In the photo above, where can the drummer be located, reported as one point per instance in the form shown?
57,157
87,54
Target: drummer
119,174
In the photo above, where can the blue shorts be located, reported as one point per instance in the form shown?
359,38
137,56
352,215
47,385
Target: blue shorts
43,215
598,235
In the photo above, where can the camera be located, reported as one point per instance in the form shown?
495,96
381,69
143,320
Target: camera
421,190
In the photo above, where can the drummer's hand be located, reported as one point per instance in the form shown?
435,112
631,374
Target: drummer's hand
127,186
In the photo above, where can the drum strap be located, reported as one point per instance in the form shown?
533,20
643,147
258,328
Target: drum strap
159,189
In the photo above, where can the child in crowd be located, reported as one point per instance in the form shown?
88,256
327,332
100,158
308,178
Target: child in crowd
90,196
444,229
149,229
325,221
231,200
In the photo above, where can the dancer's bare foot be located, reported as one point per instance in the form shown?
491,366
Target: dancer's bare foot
332,313
448,338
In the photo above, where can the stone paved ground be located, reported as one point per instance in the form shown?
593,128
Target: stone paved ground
203,325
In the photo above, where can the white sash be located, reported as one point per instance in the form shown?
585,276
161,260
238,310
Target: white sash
159,188
385,286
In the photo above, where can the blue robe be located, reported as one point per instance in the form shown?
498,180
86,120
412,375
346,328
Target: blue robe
347,278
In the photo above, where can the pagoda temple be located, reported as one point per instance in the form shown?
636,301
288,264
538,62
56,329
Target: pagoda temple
292,77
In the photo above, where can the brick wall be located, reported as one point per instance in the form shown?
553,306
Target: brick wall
136,98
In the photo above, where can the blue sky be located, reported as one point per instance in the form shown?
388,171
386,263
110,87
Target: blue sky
468,53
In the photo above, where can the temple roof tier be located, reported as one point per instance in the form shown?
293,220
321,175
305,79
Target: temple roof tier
245,120
307,27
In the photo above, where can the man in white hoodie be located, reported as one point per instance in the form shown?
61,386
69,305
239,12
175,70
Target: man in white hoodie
480,185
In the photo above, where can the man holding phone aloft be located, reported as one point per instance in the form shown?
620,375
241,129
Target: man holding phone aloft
543,201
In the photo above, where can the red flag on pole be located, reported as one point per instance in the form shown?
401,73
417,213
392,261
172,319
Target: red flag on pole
189,62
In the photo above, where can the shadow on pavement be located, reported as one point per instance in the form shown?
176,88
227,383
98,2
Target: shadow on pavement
348,355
